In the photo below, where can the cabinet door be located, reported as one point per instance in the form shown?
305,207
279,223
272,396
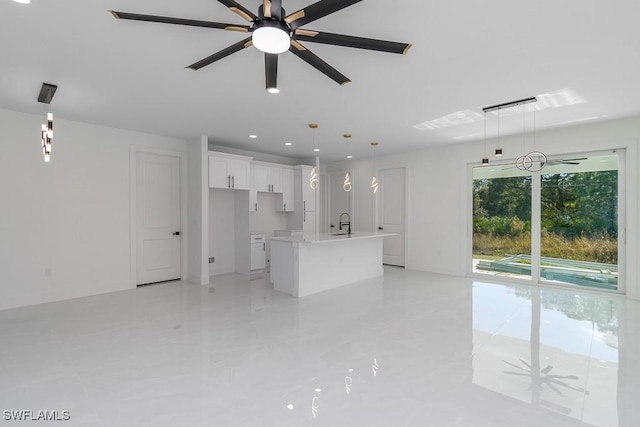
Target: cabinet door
308,193
309,222
275,177
253,200
240,172
260,178
258,256
287,189
218,173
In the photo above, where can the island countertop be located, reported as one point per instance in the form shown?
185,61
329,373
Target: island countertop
329,237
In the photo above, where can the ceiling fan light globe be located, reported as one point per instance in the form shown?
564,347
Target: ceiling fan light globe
270,39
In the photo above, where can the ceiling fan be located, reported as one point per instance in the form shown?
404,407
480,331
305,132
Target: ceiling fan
274,32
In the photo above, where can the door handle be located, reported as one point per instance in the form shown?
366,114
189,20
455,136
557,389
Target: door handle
177,233
379,228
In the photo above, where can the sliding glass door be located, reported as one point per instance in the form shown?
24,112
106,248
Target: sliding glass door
579,222
559,225
502,221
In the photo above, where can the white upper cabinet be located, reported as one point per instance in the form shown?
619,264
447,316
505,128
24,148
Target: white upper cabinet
287,190
273,178
229,171
267,179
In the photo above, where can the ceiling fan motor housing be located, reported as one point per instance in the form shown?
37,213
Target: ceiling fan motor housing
271,35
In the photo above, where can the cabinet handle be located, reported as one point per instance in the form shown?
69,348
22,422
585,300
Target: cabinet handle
285,206
304,205
304,216
256,207
233,182
264,246
228,181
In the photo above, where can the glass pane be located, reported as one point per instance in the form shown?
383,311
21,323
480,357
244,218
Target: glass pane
579,222
502,221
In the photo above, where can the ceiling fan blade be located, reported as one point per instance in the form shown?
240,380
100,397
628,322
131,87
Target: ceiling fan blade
266,8
239,10
221,54
310,58
271,70
351,41
178,21
316,11
272,9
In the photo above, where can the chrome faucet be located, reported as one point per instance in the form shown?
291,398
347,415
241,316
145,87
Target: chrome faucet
348,223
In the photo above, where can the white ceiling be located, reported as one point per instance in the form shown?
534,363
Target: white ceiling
581,56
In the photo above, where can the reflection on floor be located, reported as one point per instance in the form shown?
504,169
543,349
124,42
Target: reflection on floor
412,349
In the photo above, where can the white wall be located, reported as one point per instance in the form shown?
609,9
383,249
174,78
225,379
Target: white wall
64,225
439,191
198,210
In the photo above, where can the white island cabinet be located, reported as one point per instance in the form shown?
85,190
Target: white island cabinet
312,263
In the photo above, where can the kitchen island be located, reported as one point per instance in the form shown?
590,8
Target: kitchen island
307,264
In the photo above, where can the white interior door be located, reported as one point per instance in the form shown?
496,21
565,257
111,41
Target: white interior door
158,218
391,206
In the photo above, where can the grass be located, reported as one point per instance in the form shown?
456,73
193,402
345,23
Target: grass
594,249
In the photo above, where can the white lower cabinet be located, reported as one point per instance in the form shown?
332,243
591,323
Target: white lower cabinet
258,252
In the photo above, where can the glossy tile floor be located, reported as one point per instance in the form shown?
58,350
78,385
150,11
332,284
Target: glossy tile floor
412,349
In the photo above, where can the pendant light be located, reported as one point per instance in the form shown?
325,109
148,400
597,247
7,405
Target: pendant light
485,159
46,130
533,161
374,178
498,151
313,177
346,186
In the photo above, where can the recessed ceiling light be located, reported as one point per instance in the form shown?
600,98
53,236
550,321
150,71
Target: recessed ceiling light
22,1
288,143
273,90
316,149
253,136
349,157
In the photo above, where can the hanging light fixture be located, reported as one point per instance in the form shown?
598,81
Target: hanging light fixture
485,159
46,130
374,178
313,177
498,151
533,161
346,186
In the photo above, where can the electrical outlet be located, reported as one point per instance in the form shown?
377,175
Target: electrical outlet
212,259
